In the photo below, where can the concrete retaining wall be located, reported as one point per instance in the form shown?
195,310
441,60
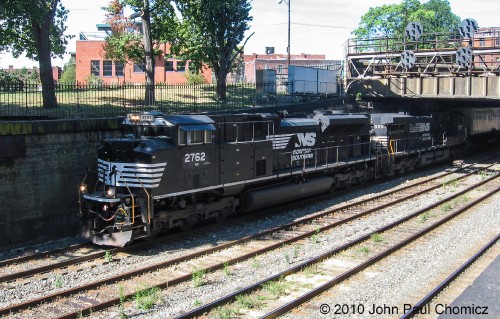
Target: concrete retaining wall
41,166
487,87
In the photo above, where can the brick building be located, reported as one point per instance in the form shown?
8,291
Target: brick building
90,59
487,38
279,62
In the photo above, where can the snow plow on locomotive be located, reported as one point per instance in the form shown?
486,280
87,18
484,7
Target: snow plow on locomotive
169,171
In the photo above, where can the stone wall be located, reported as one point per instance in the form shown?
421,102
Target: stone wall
41,166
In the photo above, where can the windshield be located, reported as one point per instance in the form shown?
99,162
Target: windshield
148,131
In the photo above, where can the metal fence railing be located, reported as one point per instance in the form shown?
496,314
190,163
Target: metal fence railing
82,100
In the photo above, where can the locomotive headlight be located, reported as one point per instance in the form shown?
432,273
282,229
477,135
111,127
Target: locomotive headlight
110,192
83,188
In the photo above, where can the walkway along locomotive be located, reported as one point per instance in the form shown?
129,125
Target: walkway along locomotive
172,171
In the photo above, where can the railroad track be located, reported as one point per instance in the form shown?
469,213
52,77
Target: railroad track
446,282
46,262
331,273
91,297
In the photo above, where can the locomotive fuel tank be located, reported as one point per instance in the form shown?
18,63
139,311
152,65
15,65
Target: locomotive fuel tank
279,194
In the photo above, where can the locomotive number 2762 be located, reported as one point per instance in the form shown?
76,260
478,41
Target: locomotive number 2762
194,157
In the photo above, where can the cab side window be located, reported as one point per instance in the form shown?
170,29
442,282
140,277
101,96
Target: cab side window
195,137
183,137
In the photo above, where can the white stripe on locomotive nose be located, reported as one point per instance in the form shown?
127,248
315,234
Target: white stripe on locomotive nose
132,174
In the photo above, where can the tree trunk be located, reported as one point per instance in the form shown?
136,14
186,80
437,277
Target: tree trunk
221,88
42,38
149,55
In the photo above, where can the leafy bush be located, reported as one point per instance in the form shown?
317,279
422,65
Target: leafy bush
9,82
195,78
69,74
94,80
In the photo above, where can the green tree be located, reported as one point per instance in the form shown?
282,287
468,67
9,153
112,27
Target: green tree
35,28
127,43
7,78
391,20
210,32
27,76
69,72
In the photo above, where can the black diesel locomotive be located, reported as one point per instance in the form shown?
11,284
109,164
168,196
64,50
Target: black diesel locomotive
176,170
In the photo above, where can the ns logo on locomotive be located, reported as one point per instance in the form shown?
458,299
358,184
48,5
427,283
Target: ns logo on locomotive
169,171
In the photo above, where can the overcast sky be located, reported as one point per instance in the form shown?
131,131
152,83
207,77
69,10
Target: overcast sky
317,26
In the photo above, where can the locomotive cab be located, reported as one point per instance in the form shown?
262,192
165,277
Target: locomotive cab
158,154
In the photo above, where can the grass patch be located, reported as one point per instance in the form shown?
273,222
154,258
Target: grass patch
197,303
311,270
225,312
249,302
108,256
315,237
452,183
256,263
296,251
59,281
198,277
376,237
364,250
276,287
122,302
483,174
147,297
426,216
446,207
226,269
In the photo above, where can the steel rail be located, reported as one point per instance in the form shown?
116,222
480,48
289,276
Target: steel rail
231,297
40,255
306,297
94,285
439,288
77,260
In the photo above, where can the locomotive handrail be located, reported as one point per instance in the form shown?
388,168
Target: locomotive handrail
326,149
144,188
126,185
130,192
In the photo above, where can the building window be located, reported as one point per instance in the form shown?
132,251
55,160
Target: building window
280,68
95,67
107,68
139,68
481,42
181,66
169,66
119,69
